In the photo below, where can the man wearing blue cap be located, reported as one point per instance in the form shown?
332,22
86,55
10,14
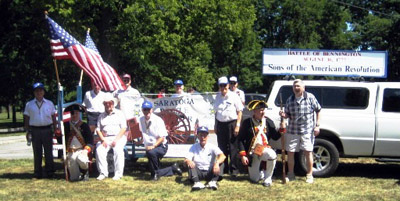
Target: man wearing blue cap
204,161
179,89
38,118
154,138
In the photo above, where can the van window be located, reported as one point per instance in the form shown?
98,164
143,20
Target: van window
391,100
333,97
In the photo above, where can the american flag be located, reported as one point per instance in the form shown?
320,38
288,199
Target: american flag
87,58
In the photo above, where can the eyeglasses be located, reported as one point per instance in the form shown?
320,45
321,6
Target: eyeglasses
203,135
222,85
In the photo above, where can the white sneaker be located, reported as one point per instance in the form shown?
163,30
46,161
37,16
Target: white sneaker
116,178
309,179
213,185
101,177
267,183
262,175
197,186
290,177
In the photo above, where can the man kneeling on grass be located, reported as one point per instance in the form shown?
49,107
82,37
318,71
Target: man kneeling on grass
204,161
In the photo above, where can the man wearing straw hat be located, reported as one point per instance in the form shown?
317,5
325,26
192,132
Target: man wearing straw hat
111,127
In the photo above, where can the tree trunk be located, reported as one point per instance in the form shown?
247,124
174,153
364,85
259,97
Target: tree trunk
14,115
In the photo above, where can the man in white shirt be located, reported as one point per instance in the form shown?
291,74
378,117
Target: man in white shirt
127,98
111,127
39,117
179,89
93,101
204,161
155,141
233,84
228,115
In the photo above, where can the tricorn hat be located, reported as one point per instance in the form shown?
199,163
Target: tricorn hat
75,106
256,104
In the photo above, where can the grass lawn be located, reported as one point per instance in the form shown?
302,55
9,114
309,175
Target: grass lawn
356,179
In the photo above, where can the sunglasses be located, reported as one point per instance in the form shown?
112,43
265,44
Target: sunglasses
222,85
146,109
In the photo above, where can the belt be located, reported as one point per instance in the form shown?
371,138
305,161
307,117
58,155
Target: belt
48,126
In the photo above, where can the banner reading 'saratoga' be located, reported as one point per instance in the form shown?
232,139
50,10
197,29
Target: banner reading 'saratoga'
196,107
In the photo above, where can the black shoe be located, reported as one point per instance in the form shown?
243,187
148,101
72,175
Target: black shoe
155,177
176,169
85,176
37,176
50,175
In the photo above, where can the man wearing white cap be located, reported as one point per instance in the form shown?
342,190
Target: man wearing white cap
127,98
233,84
204,161
228,115
111,127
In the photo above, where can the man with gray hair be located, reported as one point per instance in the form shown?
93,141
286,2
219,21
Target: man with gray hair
302,109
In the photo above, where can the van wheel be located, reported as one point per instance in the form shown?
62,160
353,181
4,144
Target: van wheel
326,159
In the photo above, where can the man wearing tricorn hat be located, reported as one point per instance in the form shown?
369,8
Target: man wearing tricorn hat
79,140
111,127
39,118
204,161
253,142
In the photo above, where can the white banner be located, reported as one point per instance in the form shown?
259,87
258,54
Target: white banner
342,63
196,107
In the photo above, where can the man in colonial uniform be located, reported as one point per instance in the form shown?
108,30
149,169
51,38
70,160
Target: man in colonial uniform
79,140
253,143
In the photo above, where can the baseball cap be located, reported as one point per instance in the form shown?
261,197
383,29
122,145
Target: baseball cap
38,85
223,80
147,105
233,79
126,76
178,82
202,129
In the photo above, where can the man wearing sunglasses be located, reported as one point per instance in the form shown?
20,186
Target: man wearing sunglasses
228,115
155,141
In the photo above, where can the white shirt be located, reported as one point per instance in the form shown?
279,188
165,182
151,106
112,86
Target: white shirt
94,102
152,129
179,95
226,107
111,124
127,100
204,158
240,93
40,113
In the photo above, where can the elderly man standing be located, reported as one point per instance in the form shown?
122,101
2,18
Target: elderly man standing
111,127
39,118
233,86
302,109
127,98
154,139
228,115
179,89
204,161
79,144
253,142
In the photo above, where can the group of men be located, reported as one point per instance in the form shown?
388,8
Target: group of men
245,141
